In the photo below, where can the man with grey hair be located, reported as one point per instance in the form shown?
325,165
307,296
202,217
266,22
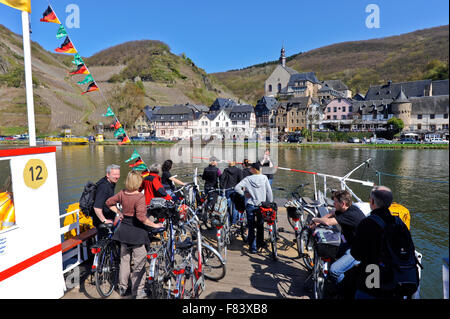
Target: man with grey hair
368,239
105,189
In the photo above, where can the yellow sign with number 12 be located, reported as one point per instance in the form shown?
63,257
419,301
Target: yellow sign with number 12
35,173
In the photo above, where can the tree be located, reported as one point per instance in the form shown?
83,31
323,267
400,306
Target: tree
394,126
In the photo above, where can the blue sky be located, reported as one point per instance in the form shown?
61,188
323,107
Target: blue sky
223,35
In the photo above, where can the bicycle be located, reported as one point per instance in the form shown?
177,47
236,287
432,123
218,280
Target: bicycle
106,262
269,214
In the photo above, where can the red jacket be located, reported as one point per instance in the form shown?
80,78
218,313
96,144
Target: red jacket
153,188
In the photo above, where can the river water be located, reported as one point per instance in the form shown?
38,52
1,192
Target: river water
426,200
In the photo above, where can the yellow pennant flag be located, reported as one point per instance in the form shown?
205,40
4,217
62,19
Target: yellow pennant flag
22,5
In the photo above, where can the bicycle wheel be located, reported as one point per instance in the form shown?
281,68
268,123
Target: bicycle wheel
107,273
212,263
205,218
221,243
318,277
157,283
307,247
273,241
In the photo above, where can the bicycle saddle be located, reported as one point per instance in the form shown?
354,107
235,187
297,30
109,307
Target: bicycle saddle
153,231
105,226
308,201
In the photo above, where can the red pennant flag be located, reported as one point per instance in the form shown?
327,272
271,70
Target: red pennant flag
81,70
66,47
50,16
91,87
125,140
117,125
137,163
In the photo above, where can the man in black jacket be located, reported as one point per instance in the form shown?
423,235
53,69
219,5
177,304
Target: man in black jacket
367,242
230,178
211,174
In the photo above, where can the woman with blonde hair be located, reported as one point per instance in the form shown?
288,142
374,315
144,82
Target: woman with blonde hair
132,234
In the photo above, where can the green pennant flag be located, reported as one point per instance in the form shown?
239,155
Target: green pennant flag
141,167
77,60
87,79
109,112
61,32
133,156
119,132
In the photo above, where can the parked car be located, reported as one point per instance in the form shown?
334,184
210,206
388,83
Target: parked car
437,140
294,139
137,138
408,140
381,141
353,140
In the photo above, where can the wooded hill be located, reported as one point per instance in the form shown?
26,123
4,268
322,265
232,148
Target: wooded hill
412,56
130,75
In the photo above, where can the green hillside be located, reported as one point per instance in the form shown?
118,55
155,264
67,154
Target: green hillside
412,56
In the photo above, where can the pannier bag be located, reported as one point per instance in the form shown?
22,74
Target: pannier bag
268,211
327,241
293,210
158,208
220,208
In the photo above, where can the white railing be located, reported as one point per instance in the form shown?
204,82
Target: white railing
76,251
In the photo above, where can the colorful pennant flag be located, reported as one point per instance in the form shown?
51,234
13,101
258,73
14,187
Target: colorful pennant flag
50,16
145,173
125,140
92,87
119,132
137,163
61,32
66,47
81,70
87,79
134,156
22,5
140,167
109,112
117,125
77,60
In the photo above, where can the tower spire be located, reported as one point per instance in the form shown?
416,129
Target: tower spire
283,56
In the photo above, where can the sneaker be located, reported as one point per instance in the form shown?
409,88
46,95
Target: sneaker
123,292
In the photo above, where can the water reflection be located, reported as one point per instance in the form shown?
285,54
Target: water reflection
427,202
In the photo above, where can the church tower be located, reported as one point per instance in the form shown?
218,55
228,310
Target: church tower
283,57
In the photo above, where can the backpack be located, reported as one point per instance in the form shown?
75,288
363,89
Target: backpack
398,265
87,199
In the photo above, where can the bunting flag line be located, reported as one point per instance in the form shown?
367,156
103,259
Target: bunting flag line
134,156
61,32
81,70
140,167
92,87
50,16
66,47
77,60
137,163
125,140
109,112
119,132
22,5
86,80
145,173
117,125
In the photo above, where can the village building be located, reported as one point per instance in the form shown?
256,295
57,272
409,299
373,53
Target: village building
263,111
285,81
173,122
338,113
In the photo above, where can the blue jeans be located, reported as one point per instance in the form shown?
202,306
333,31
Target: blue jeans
234,213
340,266
254,220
